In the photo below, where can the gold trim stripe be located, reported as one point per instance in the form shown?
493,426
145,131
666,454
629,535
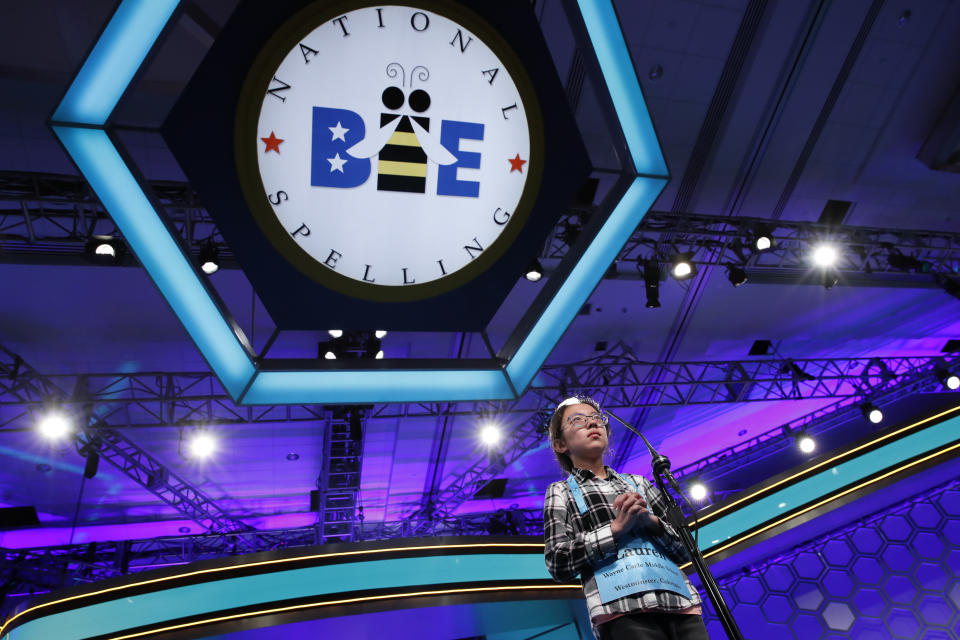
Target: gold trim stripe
825,463
817,505
394,168
262,563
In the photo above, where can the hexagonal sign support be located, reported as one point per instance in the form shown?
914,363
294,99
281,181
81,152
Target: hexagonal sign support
82,123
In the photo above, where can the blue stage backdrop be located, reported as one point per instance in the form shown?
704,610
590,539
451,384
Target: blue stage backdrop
895,574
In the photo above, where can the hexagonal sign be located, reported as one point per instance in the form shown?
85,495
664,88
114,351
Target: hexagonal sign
82,124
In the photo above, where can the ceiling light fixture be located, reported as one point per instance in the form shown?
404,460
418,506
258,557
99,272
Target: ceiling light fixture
805,442
824,255
202,445
103,250
736,275
871,412
698,491
534,271
651,282
682,267
490,434
948,379
209,258
54,425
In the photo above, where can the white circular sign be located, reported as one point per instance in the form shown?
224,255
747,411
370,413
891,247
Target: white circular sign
392,149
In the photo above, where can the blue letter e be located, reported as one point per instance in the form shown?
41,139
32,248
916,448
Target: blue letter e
451,132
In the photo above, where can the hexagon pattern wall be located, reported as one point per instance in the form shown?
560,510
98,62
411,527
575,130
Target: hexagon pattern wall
895,574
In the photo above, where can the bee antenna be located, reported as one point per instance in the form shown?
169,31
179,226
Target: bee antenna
395,69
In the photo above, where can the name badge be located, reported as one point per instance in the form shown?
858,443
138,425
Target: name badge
639,566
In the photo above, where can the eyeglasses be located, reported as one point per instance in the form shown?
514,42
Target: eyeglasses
580,420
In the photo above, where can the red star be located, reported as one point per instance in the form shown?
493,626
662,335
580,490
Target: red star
273,142
516,164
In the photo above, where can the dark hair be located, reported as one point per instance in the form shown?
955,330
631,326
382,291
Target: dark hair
556,427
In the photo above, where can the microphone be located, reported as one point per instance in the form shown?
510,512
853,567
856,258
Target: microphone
659,462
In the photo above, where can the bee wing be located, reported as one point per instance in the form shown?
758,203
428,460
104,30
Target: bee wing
431,145
372,144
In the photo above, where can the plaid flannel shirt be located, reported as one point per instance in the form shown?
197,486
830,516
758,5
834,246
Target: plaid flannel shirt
575,544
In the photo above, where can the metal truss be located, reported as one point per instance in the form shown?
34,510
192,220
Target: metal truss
339,483
867,255
31,571
48,218
617,379
776,441
95,436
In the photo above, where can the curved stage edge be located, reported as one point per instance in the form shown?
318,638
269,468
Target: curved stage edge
279,587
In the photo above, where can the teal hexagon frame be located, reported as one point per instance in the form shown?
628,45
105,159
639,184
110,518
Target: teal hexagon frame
81,122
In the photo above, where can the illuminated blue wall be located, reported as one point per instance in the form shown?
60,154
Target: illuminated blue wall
895,574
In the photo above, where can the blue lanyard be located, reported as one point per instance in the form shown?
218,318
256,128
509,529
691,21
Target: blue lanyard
578,492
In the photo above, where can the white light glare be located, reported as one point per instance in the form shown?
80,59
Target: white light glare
379,355
763,243
875,416
682,269
533,275
335,333
806,444
210,267
54,426
106,249
380,334
330,355
698,492
490,435
202,445
824,255
953,382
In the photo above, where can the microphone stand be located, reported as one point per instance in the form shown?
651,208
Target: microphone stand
661,471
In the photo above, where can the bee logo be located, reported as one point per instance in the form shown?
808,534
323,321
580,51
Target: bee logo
403,141
402,144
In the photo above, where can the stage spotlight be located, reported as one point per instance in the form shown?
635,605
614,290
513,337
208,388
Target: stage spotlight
698,491
682,267
103,249
805,442
829,278
202,445
92,465
948,379
871,412
372,348
335,333
651,281
54,425
901,262
380,334
763,241
328,349
209,259
736,275
490,435
824,255
534,271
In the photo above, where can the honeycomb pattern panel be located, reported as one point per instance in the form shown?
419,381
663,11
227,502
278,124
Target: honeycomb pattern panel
895,574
